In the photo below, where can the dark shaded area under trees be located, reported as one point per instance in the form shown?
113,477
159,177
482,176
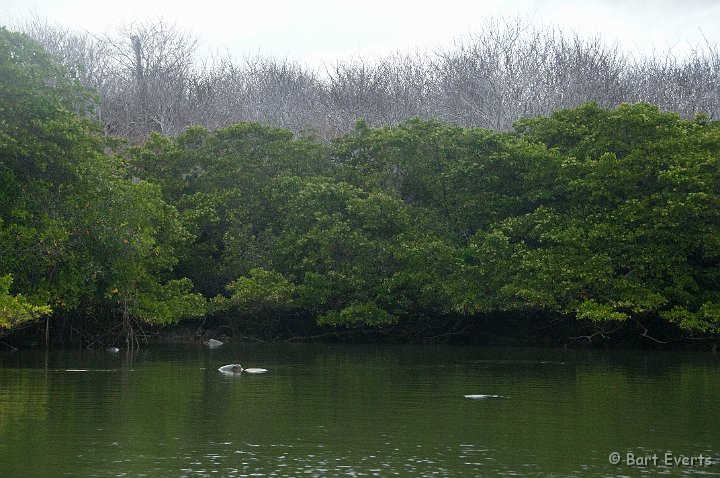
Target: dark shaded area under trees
590,225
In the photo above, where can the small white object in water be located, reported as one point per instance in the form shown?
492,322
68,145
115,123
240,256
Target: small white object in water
113,349
232,368
254,370
482,397
212,343
235,368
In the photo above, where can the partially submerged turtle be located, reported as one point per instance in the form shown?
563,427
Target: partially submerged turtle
235,368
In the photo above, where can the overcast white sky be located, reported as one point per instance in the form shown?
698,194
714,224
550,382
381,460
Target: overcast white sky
313,31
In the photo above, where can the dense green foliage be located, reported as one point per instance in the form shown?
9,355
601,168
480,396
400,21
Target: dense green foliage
606,216
635,211
75,235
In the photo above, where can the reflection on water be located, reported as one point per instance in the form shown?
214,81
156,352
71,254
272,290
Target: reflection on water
342,410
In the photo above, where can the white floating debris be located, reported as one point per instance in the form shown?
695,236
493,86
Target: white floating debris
212,343
482,397
254,370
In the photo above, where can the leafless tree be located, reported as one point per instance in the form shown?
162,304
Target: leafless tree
510,70
688,86
261,89
154,63
381,93
149,78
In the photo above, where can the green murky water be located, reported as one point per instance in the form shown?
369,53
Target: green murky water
347,410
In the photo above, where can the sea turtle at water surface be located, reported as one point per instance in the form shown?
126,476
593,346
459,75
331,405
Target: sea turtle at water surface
235,368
